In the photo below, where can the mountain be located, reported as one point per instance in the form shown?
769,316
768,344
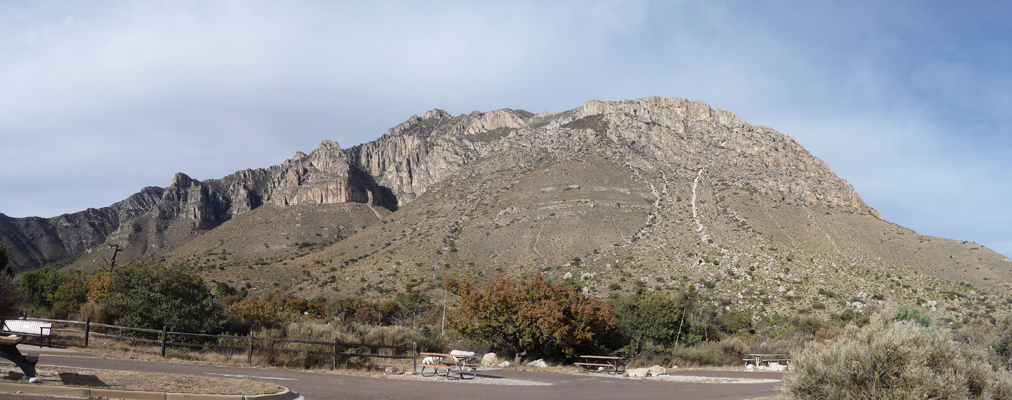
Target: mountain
649,194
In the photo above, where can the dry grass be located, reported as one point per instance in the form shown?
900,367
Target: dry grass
135,381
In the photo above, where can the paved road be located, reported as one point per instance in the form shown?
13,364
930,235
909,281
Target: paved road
488,385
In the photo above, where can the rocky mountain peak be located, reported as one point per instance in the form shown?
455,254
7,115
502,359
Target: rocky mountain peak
661,110
181,180
435,113
477,122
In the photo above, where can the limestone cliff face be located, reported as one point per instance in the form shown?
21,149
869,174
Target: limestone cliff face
421,151
666,135
324,177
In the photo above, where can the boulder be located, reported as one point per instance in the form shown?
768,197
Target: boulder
461,353
504,364
538,363
657,370
639,373
489,359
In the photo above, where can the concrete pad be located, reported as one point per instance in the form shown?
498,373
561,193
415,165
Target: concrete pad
46,390
283,395
127,394
195,396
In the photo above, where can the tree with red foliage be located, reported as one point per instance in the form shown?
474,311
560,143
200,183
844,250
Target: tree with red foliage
533,316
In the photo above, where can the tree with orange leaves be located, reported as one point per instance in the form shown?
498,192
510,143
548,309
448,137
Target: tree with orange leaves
532,317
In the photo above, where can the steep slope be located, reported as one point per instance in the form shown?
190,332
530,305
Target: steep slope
652,194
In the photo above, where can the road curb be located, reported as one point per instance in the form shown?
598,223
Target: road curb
68,391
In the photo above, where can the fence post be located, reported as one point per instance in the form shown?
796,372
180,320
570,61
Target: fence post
414,357
249,355
87,330
165,337
334,364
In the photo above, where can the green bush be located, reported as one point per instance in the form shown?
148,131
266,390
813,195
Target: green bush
912,314
898,360
152,296
651,317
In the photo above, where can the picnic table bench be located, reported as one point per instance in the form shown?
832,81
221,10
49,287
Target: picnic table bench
759,358
451,365
9,350
23,327
610,364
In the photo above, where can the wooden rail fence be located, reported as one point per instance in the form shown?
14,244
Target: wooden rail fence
336,348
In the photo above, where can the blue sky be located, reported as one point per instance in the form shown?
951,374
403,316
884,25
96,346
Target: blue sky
908,101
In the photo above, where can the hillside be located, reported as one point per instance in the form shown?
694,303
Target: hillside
652,194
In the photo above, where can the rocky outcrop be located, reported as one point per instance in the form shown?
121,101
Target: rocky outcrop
323,177
422,151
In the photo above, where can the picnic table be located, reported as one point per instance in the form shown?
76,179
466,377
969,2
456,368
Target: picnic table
23,327
452,366
9,350
759,358
610,364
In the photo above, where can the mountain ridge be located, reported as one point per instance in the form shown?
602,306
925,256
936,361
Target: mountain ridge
669,192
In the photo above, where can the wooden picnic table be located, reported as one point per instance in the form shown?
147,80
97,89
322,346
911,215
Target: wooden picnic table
611,364
449,365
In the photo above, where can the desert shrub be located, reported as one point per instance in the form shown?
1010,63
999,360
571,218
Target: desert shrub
312,331
996,339
727,352
734,321
912,314
807,325
254,313
897,360
413,306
